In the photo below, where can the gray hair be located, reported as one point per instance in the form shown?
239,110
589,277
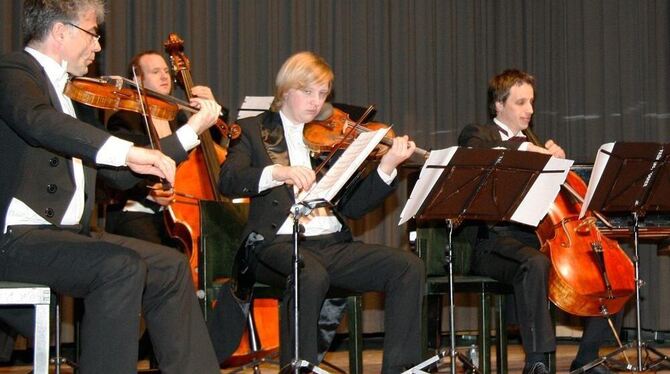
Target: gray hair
40,15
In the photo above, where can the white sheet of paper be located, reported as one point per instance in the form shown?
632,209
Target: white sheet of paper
596,174
542,193
254,105
427,179
345,166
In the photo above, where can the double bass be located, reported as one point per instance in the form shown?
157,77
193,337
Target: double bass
197,179
590,274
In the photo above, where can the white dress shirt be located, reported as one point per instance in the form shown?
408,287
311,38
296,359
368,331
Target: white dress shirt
508,134
320,221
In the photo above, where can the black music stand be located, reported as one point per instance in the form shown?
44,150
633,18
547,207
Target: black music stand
635,179
482,184
298,211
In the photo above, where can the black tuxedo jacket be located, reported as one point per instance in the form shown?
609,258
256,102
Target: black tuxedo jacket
484,136
38,140
262,143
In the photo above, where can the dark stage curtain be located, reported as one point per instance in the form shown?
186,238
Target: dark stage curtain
601,68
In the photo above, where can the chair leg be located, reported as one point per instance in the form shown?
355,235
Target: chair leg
41,349
484,338
355,307
58,360
501,332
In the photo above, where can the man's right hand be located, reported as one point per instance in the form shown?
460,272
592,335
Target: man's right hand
299,176
150,161
550,148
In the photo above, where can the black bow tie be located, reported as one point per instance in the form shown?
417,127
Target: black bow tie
517,138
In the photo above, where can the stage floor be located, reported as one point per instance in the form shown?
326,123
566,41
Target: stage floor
372,361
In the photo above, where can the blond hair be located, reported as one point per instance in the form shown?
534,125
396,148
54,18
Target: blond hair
299,71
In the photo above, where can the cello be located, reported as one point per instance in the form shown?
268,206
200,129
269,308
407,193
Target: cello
590,274
197,179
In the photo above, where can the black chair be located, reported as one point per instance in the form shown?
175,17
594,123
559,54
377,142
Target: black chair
430,244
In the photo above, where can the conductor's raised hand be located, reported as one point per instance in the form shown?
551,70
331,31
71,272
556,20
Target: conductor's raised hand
299,176
206,116
401,150
150,161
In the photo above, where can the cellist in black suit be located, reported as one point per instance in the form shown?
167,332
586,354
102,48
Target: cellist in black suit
510,252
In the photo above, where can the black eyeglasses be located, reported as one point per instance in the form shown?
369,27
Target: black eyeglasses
95,36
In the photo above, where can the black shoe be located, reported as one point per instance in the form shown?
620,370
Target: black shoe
600,369
535,368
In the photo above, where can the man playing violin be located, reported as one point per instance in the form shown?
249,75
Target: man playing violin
52,150
270,163
137,211
509,252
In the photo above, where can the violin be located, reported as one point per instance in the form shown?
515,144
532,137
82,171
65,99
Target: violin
118,93
112,93
333,128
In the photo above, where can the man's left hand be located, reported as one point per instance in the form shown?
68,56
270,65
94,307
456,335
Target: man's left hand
401,150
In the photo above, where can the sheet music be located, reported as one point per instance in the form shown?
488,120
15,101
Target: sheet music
598,168
542,193
530,211
427,179
254,105
345,166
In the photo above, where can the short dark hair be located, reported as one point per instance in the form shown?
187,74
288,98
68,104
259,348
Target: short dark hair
501,84
40,15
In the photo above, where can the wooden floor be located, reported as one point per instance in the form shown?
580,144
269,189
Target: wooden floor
372,362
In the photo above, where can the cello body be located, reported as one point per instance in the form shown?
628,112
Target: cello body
578,254
193,182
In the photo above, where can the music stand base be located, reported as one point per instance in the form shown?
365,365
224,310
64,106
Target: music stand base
434,362
660,361
303,366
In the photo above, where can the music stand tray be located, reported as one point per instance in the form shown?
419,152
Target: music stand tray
632,178
482,184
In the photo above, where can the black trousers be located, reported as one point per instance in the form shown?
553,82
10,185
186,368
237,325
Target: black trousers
510,254
117,278
140,225
335,260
